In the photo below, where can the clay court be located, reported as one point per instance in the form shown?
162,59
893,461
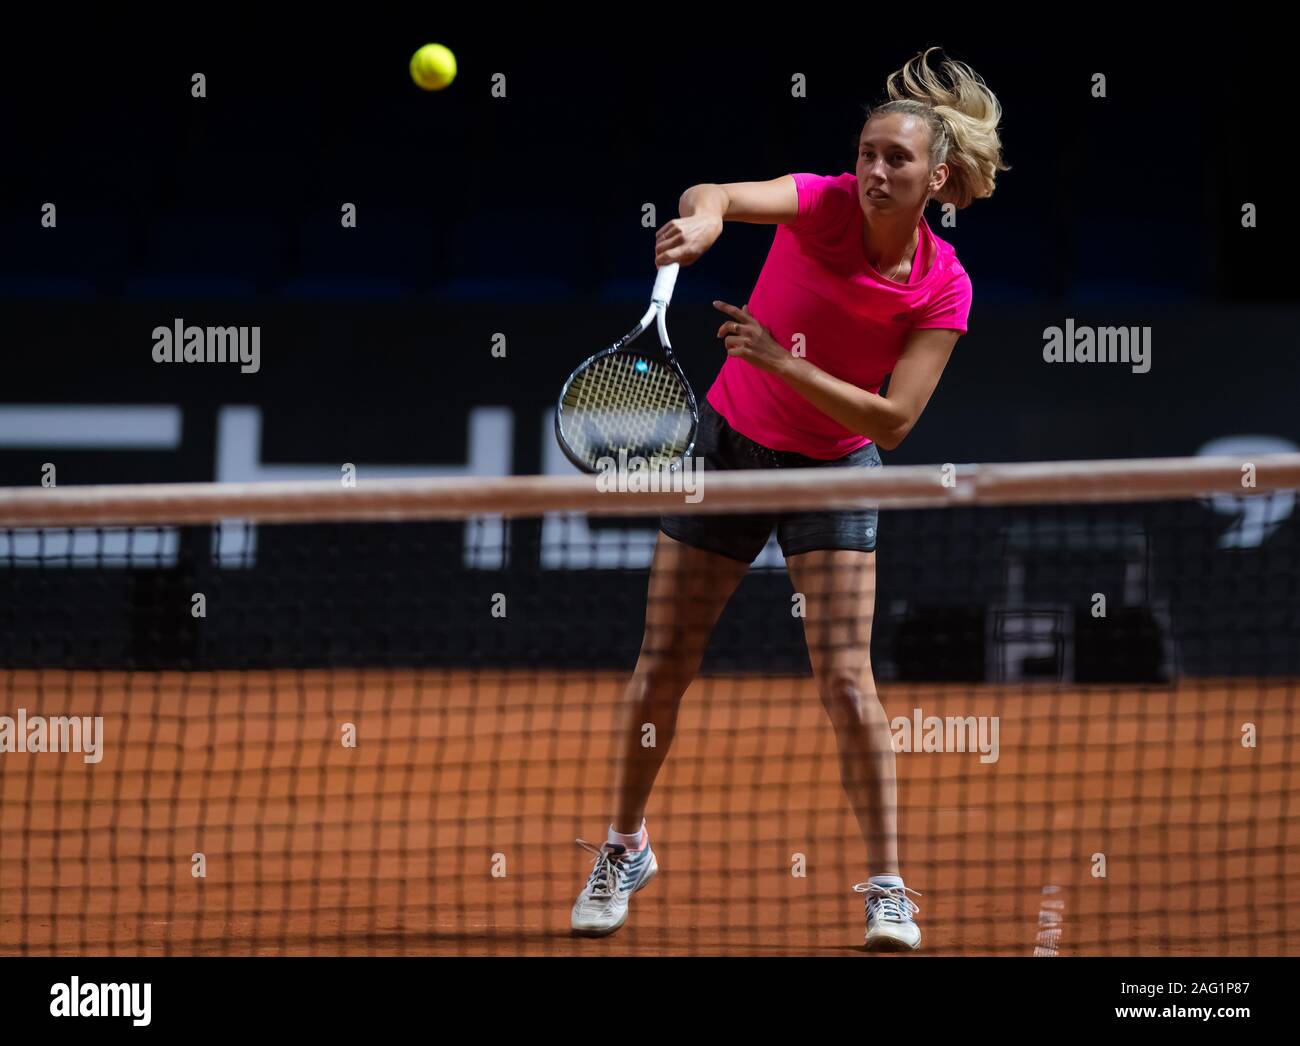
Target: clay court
449,827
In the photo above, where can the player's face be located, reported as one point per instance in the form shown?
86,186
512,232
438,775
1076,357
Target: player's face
893,163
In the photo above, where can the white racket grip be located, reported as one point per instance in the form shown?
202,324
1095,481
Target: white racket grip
664,283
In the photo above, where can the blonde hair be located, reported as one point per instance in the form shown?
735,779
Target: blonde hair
962,116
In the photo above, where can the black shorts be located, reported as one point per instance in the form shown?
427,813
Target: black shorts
742,537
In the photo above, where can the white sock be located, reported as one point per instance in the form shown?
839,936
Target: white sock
633,841
887,880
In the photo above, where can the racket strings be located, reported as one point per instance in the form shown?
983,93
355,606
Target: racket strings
627,402
618,385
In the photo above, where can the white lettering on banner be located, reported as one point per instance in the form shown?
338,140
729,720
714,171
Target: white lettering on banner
1255,516
239,447
110,428
239,453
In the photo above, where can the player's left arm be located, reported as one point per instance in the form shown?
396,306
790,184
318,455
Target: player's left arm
885,419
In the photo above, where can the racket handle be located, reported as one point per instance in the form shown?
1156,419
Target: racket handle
664,283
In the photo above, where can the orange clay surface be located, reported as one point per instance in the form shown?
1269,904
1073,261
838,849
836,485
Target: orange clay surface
449,827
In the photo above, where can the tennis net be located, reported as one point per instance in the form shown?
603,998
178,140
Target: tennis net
301,719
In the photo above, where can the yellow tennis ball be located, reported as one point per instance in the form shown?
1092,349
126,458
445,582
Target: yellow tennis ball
433,67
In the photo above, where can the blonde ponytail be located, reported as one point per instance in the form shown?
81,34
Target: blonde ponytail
962,114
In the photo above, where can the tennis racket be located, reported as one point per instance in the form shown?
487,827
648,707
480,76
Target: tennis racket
629,397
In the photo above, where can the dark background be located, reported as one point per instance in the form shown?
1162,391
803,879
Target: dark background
522,216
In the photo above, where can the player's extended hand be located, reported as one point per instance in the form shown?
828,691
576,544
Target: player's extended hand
683,240
745,337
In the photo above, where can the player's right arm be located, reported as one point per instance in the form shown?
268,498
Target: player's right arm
705,207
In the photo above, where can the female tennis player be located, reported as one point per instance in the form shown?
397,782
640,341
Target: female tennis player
856,278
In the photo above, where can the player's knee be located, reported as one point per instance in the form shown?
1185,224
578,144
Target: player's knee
664,675
844,698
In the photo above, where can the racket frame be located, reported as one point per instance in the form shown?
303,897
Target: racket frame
657,314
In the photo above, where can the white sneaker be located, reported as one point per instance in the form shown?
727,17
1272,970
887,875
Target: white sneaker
889,918
616,875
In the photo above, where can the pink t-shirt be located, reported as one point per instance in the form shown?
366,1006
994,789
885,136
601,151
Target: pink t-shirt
817,282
